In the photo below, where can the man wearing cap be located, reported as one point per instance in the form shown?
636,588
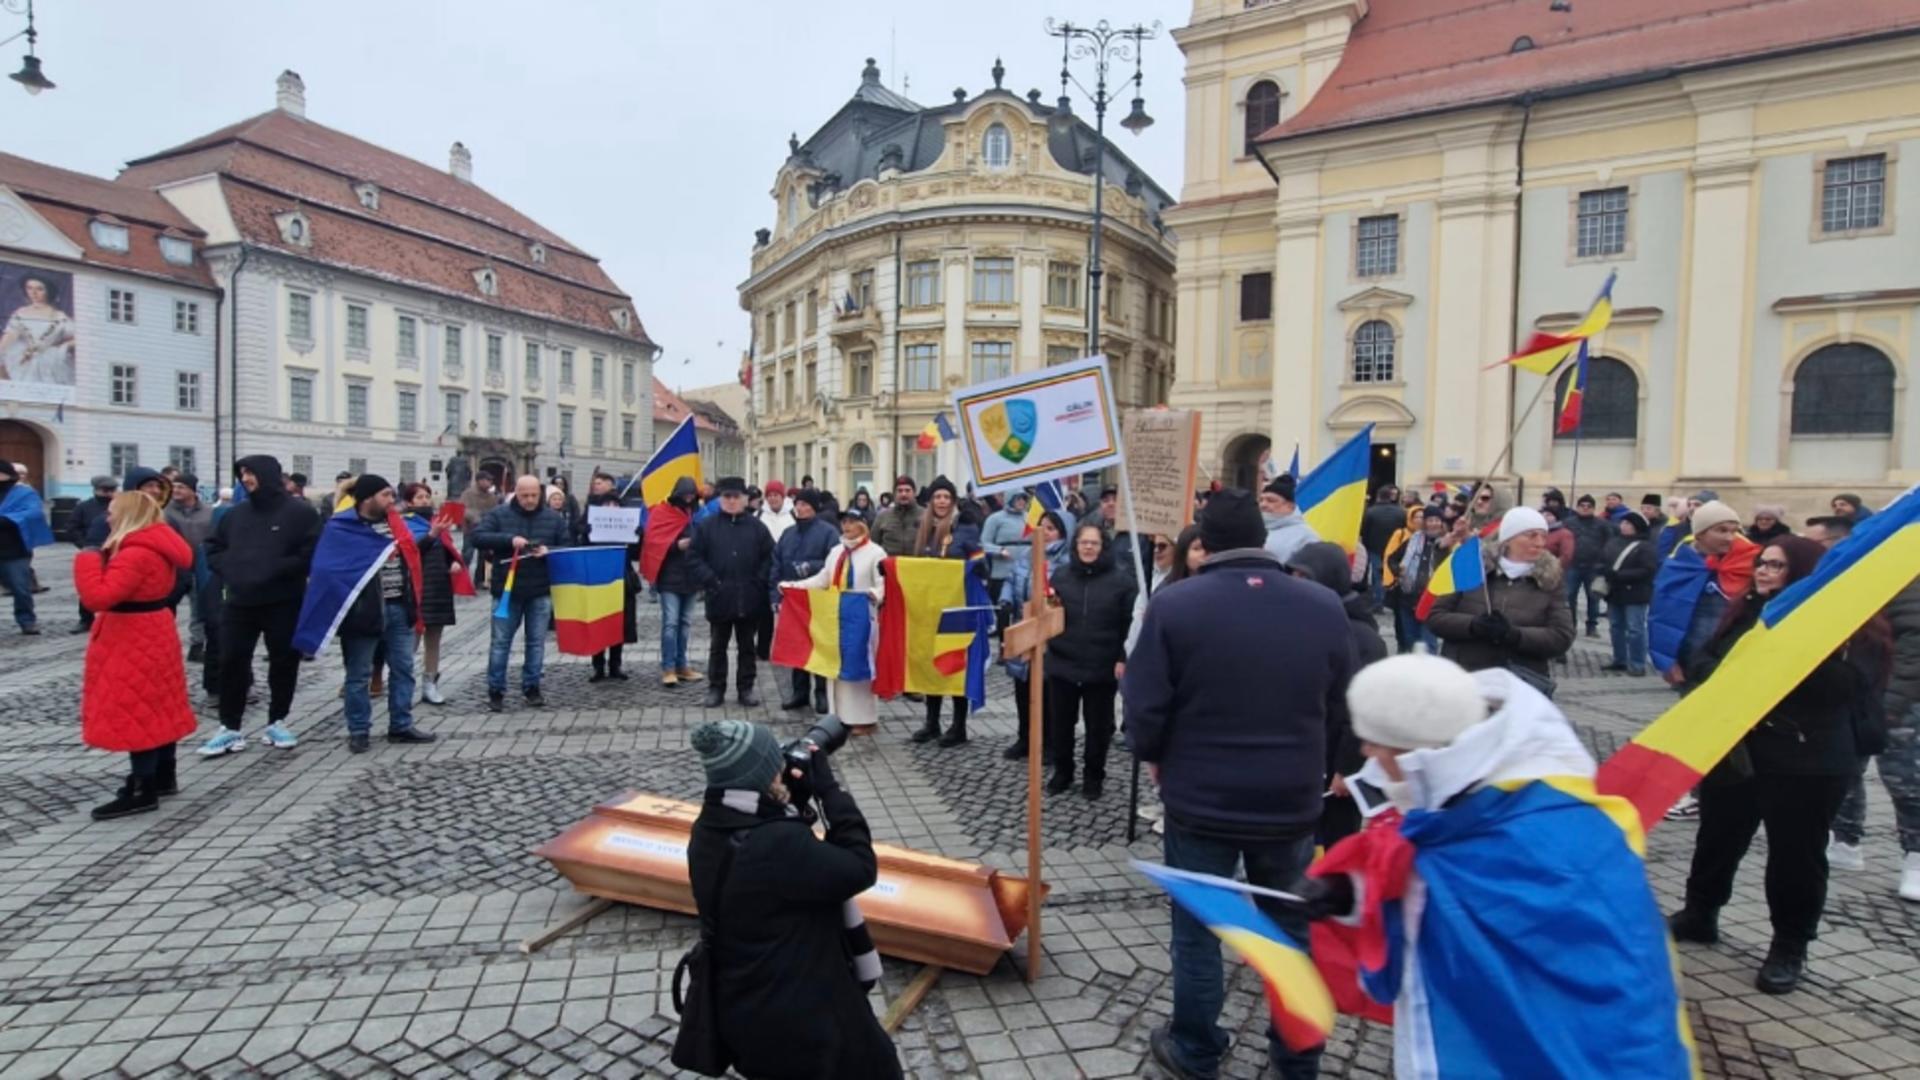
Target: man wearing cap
792,957
1287,530
1241,770
193,520
732,557
1654,509
87,527
1591,533
800,552
526,527
260,550
898,526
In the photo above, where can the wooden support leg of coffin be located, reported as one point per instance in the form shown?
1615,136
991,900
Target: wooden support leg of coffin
565,926
901,1007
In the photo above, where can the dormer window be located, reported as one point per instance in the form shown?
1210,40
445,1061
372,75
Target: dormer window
621,317
538,253
109,234
996,149
294,228
487,282
368,194
177,251
793,207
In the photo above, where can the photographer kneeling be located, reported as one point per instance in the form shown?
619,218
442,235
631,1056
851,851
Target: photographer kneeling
789,952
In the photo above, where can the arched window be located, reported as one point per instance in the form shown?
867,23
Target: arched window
1844,390
1373,352
860,468
1610,405
1263,110
793,207
997,148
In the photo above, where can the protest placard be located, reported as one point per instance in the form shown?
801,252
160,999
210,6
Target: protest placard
1163,469
613,524
1030,427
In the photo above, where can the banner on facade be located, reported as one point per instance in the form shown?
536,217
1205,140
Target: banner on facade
36,334
1163,469
1026,428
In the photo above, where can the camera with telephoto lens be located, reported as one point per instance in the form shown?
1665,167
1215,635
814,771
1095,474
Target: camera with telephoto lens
823,738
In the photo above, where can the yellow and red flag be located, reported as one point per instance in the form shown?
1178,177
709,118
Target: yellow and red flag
1462,572
1544,353
589,591
1569,421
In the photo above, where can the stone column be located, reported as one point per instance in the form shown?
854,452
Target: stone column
1298,225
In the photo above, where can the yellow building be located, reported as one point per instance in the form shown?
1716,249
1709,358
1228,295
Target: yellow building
1383,195
919,249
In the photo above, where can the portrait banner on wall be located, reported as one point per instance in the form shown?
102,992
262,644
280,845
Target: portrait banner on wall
1031,427
36,334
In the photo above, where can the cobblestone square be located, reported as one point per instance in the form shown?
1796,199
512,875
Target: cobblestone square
311,913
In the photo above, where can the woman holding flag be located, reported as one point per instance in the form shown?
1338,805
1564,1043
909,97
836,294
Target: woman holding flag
443,575
1516,616
853,568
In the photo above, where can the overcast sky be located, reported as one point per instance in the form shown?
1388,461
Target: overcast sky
645,132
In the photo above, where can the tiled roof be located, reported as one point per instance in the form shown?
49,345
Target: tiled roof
1412,57
670,408
70,201
429,229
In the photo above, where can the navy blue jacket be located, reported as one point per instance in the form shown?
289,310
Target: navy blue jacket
801,551
1236,688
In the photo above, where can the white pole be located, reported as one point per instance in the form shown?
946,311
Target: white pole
1133,526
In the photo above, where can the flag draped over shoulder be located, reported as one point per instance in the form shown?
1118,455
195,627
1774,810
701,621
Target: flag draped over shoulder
1333,497
934,629
346,560
1463,571
462,581
1544,353
677,456
589,597
1301,1005
1797,631
664,525
23,507
827,632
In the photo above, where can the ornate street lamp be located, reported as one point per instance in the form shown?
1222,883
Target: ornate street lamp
29,75
1102,43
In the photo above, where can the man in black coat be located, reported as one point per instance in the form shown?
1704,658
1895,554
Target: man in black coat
1591,532
677,585
774,899
527,525
731,556
1326,564
260,550
87,527
800,553
1382,519
1240,759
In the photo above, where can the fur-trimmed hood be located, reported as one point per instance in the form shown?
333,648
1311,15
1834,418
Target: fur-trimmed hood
1546,569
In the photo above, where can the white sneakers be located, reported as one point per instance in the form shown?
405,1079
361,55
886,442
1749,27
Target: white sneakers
1844,856
1910,877
430,691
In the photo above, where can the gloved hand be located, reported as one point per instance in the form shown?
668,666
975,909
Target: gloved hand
1495,628
1326,897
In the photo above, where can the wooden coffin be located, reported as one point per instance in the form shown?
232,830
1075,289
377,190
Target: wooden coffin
923,907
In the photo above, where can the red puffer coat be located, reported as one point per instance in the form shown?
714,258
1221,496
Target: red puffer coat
135,693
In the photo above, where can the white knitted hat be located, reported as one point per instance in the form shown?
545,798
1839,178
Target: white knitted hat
1521,519
1414,702
1707,515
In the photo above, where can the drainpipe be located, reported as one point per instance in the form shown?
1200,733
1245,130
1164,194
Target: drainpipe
233,414
1513,320
893,333
219,335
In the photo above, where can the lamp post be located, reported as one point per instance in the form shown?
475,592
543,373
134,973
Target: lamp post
1102,43
29,75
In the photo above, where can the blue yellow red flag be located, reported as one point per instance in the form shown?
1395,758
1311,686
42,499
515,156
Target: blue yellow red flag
589,590
1046,496
1544,353
1462,572
937,431
676,457
825,631
1797,631
1333,497
1301,1005
1576,392
504,608
934,628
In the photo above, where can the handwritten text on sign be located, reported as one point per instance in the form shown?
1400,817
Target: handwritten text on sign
1163,465
613,524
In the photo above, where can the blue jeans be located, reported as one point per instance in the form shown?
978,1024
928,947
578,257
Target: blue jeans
1579,578
676,629
17,575
398,636
1409,631
1376,569
1199,984
1629,624
537,614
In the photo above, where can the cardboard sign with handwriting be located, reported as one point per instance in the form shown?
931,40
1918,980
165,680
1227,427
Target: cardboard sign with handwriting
1163,469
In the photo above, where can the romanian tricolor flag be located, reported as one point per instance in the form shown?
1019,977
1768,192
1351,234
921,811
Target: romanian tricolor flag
936,432
1462,572
1301,1005
1333,497
1046,496
665,523
678,456
1797,631
1544,353
503,609
934,630
1569,421
589,597
826,631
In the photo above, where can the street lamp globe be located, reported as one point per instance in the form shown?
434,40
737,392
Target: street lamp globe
29,75
1138,121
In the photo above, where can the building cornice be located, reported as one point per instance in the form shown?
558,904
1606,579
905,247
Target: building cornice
104,268
1256,15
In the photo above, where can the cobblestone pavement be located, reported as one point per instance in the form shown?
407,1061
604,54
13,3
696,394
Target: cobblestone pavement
312,913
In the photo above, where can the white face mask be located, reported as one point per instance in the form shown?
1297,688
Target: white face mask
1399,792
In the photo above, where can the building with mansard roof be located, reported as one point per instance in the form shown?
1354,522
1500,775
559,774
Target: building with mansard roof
392,317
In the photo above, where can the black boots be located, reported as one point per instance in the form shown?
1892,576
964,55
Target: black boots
136,796
820,700
1016,752
1062,780
1700,926
929,731
956,732
716,695
748,698
1786,962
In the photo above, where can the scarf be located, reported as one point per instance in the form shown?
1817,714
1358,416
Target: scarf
843,568
1415,546
1514,569
865,958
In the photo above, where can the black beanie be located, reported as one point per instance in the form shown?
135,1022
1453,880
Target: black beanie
1231,519
1283,486
367,487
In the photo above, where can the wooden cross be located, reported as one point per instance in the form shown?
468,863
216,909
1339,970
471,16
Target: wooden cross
1028,637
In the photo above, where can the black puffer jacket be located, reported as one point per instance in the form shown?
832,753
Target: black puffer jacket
789,1005
436,577
1633,582
1591,535
677,574
1810,733
542,526
801,551
1904,612
730,557
1098,599
262,547
87,525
